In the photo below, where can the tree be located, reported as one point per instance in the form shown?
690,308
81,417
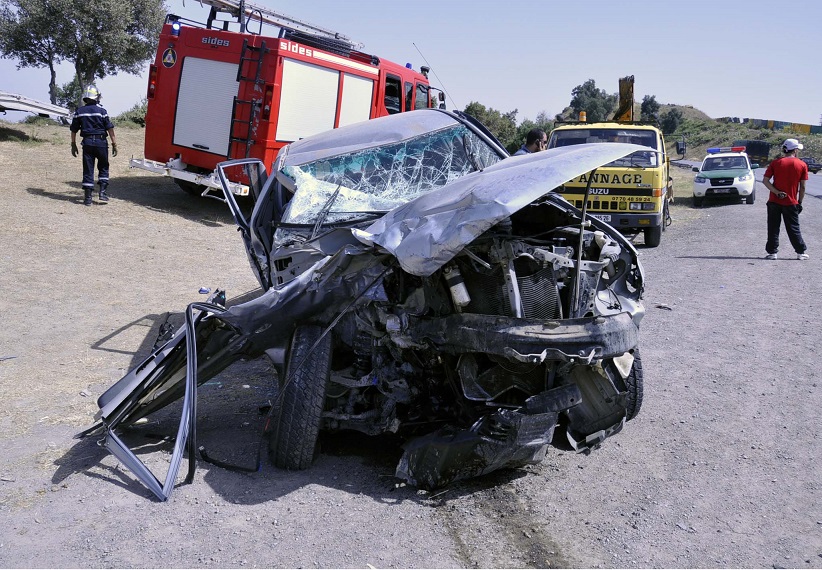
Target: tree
27,34
649,109
670,121
100,37
502,125
597,104
69,93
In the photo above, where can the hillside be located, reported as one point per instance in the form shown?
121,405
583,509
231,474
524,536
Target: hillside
702,132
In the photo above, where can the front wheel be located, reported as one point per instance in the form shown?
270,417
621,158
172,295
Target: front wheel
294,441
698,201
749,199
653,235
634,383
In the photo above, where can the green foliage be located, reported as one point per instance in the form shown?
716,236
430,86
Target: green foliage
502,125
670,120
100,37
38,120
650,108
27,34
597,104
134,117
702,133
69,94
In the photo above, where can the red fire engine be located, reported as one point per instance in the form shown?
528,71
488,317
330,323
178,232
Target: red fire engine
216,94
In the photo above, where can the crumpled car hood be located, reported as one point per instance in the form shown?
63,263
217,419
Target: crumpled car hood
426,233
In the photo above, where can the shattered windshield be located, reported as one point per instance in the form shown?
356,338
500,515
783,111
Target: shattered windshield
639,159
360,185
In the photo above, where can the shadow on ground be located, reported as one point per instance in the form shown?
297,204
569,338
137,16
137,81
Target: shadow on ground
153,193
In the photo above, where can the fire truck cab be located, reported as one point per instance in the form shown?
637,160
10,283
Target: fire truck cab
216,94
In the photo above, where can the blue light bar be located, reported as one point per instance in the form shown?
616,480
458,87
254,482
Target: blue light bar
717,149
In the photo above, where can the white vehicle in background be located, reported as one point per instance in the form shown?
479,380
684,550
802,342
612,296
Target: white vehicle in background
726,172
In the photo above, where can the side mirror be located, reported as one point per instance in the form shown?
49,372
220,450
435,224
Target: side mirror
754,165
680,147
441,96
695,169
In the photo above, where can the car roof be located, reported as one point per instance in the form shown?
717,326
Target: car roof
367,134
725,154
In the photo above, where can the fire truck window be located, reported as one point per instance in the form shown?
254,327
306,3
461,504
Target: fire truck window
409,96
392,94
421,101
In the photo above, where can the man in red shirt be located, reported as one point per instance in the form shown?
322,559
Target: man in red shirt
785,199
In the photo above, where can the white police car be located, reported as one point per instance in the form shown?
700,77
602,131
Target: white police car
726,172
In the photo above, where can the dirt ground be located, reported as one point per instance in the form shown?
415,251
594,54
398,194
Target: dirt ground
720,468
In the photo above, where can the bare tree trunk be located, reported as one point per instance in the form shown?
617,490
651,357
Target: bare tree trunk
53,84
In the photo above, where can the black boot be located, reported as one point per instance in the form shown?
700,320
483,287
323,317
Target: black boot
87,198
103,195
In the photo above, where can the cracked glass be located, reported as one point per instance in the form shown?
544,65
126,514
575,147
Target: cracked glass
360,185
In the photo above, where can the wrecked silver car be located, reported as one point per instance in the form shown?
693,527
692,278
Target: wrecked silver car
420,282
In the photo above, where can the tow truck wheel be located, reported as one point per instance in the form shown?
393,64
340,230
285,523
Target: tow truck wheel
634,383
294,441
653,235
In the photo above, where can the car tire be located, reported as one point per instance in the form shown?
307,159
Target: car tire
293,444
698,201
750,198
653,235
635,384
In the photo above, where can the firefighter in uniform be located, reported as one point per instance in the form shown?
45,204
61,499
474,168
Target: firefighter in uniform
94,125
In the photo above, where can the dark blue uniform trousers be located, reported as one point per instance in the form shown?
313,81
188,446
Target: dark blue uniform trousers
92,152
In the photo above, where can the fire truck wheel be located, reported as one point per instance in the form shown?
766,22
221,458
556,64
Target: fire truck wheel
294,441
653,235
190,187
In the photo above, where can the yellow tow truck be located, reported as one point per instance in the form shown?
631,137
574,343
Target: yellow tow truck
631,194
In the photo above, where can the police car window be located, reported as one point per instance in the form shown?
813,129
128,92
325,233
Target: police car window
714,164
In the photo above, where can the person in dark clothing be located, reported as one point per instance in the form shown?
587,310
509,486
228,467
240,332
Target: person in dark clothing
535,141
92,121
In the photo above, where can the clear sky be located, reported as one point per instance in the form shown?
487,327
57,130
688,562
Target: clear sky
754,58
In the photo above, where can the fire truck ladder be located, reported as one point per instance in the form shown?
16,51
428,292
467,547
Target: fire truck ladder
251,59
246,11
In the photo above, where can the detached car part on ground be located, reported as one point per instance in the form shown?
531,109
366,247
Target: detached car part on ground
418,282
